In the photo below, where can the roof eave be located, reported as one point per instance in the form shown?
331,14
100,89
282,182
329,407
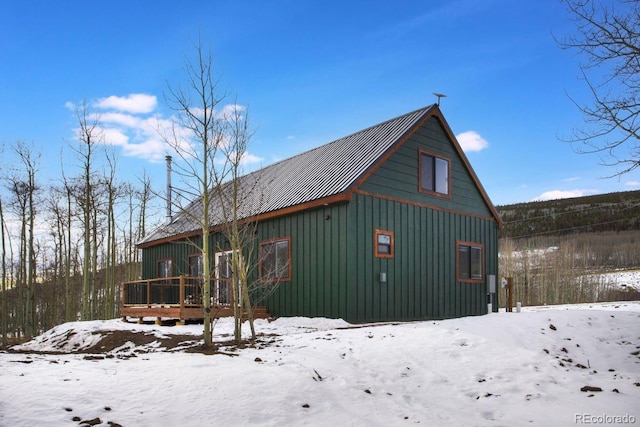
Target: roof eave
344,196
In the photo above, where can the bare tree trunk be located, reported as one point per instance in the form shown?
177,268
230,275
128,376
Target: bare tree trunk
24,190
5,313
87,136
110,269
195,113
70,313
31,307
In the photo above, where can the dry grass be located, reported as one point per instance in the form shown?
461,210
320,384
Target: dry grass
567,269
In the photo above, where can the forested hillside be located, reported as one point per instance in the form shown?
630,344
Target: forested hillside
572,250
602,212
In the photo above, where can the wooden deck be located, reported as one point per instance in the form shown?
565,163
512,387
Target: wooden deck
175,298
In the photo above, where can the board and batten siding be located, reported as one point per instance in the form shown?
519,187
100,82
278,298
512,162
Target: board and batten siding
179,252
421,276
318,262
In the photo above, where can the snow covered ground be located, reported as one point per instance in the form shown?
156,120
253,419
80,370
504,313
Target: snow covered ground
502,369
625,279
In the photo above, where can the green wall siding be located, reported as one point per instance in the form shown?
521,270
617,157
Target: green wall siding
421,277
318,270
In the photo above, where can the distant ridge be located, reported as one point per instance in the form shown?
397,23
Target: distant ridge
602,212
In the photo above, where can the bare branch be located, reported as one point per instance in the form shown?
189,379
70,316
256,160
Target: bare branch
608,39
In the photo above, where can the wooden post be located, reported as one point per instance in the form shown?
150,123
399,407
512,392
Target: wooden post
509,289
181,321
148,293
123,299
182,292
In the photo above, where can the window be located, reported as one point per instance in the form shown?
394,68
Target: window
224,275
195,266
384,244
434,174
193,287
470,261
275,260
165,268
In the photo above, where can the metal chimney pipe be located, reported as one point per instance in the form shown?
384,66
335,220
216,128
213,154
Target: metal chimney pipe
169,214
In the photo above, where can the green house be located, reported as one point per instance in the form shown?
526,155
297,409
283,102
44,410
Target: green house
389,223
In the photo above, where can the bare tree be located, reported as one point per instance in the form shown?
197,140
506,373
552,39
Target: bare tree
196,137
88,135
608,37
71,309
22,184
238,198
5,307
113,193
225,200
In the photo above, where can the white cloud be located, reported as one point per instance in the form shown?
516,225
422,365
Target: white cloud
471,141
111,136
126,123
136,103
153,149
562,194
573,178
250,159
632,184
229,110
119,119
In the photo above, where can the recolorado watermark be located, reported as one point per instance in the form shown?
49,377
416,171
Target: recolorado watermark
604,419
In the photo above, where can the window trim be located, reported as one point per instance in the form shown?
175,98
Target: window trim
272,241
470,245
377,253
421,153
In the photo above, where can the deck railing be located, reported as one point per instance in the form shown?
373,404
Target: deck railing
178,297
183,291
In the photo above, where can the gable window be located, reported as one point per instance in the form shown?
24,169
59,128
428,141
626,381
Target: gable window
434,174
275,260
470,261
384,244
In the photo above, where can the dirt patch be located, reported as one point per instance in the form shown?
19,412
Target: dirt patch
116,339
123,341
118,343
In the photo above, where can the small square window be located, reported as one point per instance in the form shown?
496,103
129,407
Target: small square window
384,244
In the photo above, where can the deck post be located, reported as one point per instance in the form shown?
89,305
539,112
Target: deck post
148,293
123,298
182,291
181,322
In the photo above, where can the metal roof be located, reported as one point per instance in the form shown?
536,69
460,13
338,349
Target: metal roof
322,172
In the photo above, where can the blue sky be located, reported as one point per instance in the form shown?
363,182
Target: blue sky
309,72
